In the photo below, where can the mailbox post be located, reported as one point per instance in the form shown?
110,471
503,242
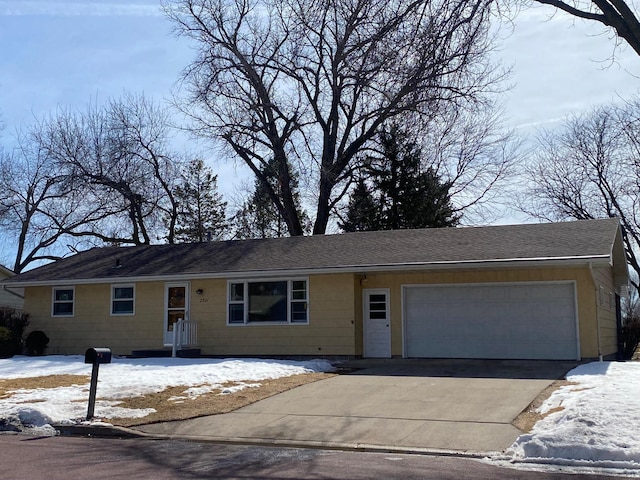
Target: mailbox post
95,356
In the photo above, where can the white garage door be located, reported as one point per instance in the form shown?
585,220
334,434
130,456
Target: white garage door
510,321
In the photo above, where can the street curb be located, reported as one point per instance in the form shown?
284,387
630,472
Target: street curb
102,431
109,431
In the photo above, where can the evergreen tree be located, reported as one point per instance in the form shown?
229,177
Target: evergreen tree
403,194
427,203
363,212
201,211
259,217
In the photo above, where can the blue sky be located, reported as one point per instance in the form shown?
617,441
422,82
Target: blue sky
64,52
563,66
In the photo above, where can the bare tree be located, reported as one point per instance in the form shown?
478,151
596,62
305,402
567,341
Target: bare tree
143,129
591,169
308,84
615,14
84,178
38,206
118,153
258,217
471,150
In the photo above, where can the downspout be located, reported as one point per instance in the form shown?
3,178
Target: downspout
6,289
597,295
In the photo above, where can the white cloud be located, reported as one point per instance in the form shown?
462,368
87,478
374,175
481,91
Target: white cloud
87,9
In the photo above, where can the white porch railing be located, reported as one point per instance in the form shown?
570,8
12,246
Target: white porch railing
185,334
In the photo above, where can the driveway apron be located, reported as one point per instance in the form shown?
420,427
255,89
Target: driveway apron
444,405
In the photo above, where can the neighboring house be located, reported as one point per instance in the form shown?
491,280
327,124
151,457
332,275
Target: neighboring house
12,298
536,291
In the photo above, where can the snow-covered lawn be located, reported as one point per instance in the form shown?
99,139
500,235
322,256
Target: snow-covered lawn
124,378
594,425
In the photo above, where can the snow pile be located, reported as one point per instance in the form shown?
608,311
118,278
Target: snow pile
123,378
593,424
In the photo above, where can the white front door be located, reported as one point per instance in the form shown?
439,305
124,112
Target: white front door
176,306
377,331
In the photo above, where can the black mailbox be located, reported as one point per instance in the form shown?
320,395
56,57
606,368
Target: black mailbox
97,355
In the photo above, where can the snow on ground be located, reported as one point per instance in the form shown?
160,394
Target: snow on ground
125,377
592,426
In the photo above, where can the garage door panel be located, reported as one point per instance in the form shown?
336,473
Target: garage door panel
535,321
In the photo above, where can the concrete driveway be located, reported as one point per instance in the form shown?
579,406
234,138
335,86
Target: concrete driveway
443,405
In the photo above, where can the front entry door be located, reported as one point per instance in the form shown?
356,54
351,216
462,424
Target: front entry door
377,331
176,306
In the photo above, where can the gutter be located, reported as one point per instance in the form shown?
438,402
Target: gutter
597,295
15,294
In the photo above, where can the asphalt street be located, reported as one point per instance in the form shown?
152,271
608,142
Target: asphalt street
62,458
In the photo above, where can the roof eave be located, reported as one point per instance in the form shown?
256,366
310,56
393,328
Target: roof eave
412,266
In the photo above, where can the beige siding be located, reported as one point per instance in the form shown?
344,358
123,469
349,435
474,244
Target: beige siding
92,325
394,281
335,314
606,310
330,330
8,299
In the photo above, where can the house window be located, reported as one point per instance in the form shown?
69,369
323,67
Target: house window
612,301
236,303
122,299
299,301
63,301
268,301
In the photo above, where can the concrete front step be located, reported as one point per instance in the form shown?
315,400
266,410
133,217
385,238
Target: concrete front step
166,352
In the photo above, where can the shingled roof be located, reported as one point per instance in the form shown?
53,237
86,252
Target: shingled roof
565,242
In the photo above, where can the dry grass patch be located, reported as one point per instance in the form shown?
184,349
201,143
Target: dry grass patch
7,386
530,415
211,403
166,406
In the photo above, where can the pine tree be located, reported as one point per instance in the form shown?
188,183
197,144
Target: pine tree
402,193
201,210
363,213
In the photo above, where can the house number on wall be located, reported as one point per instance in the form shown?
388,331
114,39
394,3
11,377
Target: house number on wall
204,300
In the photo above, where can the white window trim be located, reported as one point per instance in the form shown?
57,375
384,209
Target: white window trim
245,301
122,285
53,301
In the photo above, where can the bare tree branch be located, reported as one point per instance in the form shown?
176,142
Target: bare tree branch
590,170
104,175
309,84
612,13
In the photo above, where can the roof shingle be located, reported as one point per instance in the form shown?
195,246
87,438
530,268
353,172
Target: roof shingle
350,251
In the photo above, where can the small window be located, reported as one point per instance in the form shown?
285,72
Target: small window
63,298
299,301
236,303
612,301
122,299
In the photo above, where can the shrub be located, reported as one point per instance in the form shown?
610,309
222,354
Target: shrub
630,338
6,343
36,342
15,323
